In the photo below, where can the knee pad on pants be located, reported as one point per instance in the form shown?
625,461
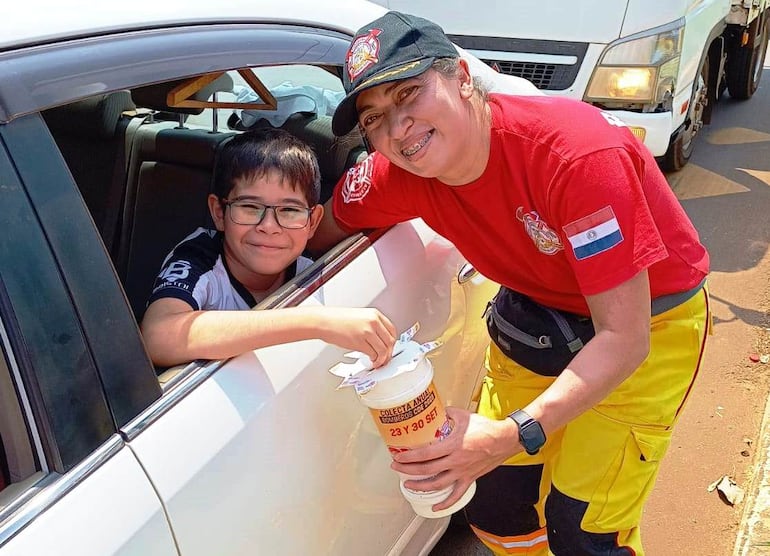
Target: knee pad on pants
504,503
563,515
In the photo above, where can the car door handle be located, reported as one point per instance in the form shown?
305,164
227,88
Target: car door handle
467,272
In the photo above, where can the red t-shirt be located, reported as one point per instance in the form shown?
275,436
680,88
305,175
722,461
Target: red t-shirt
570,204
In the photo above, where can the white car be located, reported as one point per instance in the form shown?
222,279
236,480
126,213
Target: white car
110,120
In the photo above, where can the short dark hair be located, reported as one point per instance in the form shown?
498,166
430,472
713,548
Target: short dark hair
257,152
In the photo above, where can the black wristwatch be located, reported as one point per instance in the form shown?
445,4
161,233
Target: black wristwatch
531,434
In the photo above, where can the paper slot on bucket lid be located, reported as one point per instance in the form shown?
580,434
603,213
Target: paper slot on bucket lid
406,361
364,363
407,355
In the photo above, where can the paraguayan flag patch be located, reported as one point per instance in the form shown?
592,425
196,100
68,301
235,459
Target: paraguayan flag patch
594,234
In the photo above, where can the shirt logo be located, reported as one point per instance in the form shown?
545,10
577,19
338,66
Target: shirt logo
363,54
545,239
178,270
612,119
358,180
594,234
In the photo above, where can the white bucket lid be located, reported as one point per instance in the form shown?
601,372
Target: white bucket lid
404,378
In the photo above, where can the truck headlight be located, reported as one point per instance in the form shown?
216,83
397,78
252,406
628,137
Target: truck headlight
641,68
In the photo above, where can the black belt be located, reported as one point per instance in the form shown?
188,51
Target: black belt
666,302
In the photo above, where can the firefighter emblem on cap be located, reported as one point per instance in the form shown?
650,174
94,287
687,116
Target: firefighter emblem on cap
363,53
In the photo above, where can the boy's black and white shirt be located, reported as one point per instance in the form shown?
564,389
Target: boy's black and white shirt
196,273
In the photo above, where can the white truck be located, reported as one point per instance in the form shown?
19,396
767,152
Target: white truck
659,65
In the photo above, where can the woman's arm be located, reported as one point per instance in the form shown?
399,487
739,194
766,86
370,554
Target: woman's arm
477,445
328,234
621,318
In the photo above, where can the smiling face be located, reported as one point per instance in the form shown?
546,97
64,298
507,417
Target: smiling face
427,125
258,254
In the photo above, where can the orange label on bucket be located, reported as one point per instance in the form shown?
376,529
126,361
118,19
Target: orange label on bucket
414,423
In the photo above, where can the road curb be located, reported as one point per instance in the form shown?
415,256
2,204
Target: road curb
754,530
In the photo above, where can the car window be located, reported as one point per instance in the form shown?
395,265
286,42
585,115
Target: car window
95,108
299,74
53,411
297,87
144,167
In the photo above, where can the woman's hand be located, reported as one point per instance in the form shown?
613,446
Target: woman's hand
475,447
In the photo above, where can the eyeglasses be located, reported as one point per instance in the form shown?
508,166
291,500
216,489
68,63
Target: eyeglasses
250,213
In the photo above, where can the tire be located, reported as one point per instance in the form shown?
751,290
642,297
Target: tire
744,65
681,147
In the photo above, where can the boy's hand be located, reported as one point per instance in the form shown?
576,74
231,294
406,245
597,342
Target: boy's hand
361,329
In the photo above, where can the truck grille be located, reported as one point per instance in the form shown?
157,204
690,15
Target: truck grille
547,77
543,76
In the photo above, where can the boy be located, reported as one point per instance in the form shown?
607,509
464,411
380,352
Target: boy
265,209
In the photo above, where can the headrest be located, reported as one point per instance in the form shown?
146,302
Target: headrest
154,96
333,152
96,116
194,148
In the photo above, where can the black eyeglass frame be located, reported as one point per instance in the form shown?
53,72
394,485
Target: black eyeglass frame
228,203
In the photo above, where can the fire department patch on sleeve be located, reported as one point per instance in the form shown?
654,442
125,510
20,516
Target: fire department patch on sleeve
594,234
358,180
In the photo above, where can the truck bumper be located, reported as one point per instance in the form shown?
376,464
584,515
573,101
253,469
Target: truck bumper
653,129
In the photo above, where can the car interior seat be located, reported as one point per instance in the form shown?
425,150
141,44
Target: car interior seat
169,179
91,135
335,154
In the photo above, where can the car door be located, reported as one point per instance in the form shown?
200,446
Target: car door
75,485
272,458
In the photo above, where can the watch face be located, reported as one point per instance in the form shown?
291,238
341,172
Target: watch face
532,437
531,434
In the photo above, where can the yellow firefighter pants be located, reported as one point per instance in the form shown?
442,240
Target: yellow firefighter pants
596,473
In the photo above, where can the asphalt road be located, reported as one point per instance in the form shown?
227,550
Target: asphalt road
726,191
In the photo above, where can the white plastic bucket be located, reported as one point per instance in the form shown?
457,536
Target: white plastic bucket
408,412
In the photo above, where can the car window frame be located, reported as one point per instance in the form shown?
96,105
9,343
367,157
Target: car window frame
49,75
52,353
112,335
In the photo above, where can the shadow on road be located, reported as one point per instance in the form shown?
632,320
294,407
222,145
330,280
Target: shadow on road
726,187
752,317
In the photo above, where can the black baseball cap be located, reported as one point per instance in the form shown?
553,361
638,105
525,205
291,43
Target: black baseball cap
394,47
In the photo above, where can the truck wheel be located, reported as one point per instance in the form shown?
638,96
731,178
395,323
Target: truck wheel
744,64
681,147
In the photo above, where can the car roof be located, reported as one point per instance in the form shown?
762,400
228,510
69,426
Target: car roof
44,21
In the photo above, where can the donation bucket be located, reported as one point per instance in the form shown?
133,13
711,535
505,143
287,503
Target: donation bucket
408,412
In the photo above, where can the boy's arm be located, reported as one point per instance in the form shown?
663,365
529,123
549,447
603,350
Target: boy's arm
174,333
328,234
